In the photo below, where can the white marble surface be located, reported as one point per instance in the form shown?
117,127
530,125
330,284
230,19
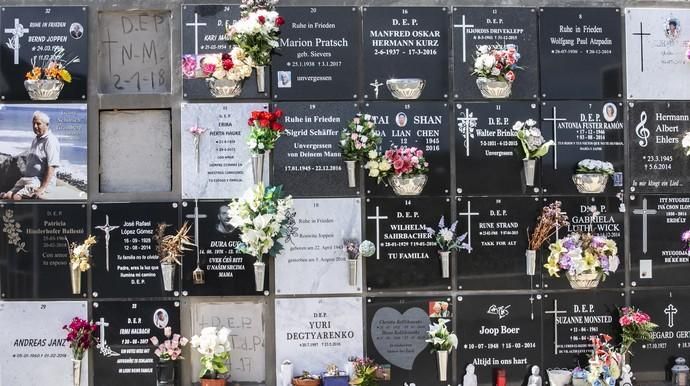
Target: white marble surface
315,262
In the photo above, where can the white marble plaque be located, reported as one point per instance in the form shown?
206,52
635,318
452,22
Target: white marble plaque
33,349
313,333
657,64
315,261
219,164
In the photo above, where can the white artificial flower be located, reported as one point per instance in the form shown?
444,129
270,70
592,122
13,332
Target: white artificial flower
495,71
373,173
363,139
373,154
517,125
359,128
446,235
483,49
530,122
384,166
614,262
686,140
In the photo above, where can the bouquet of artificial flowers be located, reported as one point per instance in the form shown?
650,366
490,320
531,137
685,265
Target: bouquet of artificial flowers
257,31
496,63
170,248
53,67
214,346
440,338
551,219
171,348
398,161
80,336
264,130
446,238
532,142
359,138
583,253
365,371
80,255
637,327
590,166
235,65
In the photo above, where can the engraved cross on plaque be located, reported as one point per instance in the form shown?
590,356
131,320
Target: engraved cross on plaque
102,344
13,43
554,120
555,313
644,212
107,228
196,216
671,310
196,26
378,219
464,27
469,215
465,123
641,34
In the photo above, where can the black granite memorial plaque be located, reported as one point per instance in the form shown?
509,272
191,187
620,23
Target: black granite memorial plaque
406,255
32,35
404,43
397,330
225,272
657,224
203,33
34,259
319,54
423,125
571,319
581,130
496,27
499,331
658,161
580,53
125,355
126,261
485,140
497,232
307,160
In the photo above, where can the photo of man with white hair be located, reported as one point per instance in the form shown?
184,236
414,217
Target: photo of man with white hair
40,173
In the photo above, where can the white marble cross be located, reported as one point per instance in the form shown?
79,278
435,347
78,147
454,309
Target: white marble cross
378,219
554,120
464,27
107,228
13,43
465,124
469,215
641,34
376,86
671,310
644,212
196,26
103,344
196,216
555,313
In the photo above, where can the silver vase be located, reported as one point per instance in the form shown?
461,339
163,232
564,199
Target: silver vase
75,276
351,173
259,274
224,88
261,78
168,272
494,89
442,360
352,277
445,263
76,372
405,185
590,183
43,89
258,166
531,261
528,168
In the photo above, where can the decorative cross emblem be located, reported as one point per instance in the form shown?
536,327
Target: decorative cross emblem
467,122
196,26
376,86
105,350
378,219
13,43
555,313
107,228
196,216
469,215
644,212
554,122
464,27
670,311
641,34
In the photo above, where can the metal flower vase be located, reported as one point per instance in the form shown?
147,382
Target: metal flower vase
445,263
590,183
259,275
442,361
406,185
43,89
494,89
531,261
261,79
584,281
166,373
224,88
75,278
168,272
76,372
528,169
352,271
258,161
351,173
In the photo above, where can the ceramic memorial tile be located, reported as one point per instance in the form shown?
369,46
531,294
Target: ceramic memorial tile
126,263
406,50
496,27
423,125
307,160
608,221
319,56
247,324
497,233
34,35
668,309
315,332
218,269
658,160
65,149
406,255
124,354
570,319
499,331
582,130
203,33
34,349
134,52
397,330
315,262
580,53
656,53
34,262
657,225
216,162
485,140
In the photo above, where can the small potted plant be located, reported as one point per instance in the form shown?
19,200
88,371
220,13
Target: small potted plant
447,241
168,352
225,72
45,80
591,176
214,346
365,372
404,168
549,221
306,379
263,135
357,140
170,249
79,261
532,146
81,337
495,70
442,343
354,253
586,259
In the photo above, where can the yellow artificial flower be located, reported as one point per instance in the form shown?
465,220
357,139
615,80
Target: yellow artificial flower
65,76
557,248
552,265
591,261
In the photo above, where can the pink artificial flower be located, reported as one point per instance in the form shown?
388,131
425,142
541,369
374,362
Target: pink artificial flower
183,341
208,68
188,66
167,332
354,136
398,164
510,76
154,341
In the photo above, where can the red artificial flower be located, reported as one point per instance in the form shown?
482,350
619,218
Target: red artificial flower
510,76
275,126
225,56
280,21
262,20
278,113
256,114
265,115
250,122
228,64
264,123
